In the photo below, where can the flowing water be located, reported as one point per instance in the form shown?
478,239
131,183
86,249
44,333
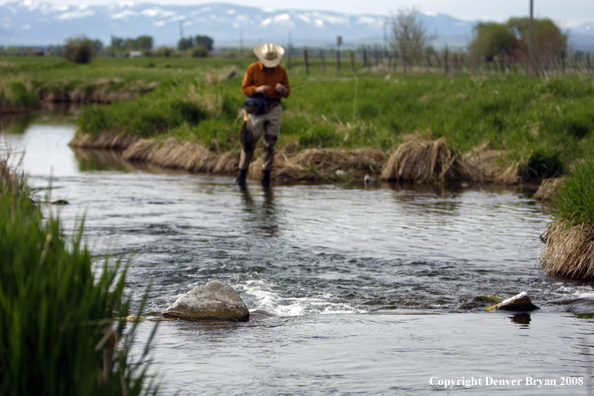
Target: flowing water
352,290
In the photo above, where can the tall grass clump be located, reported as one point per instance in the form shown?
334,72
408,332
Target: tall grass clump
569,250
542,164
575,198
16,96
58,333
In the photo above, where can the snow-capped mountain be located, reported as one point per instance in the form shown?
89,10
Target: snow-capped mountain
34,22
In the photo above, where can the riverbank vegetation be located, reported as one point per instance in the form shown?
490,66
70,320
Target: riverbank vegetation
58,333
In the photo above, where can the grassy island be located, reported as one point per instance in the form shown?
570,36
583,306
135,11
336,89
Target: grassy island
507,128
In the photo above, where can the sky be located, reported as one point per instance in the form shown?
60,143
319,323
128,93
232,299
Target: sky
566,13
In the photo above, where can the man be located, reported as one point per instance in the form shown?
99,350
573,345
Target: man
269,78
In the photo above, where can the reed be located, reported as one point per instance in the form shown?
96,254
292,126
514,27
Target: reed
419,160
59,334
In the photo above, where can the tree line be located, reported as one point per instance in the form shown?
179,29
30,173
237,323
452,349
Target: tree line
491,41
81,49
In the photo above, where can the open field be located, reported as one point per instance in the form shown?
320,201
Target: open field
538,125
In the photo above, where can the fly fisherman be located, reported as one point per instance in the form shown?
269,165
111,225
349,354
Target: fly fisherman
265,83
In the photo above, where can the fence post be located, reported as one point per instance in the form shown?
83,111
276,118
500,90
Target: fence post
446,56
289,59
395,64
352,53
364,57
322,61
305,61
376,54
337,60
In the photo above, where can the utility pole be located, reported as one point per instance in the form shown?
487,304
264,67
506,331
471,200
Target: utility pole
241,42
181,29
386,35
531,67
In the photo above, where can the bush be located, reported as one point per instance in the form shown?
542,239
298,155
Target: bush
58,334
79,49
199,52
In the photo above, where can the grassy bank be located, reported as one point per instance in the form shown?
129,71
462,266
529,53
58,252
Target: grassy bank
58,332
569,250
539,126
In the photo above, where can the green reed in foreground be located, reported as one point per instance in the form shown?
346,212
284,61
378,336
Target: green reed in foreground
575,197
58,332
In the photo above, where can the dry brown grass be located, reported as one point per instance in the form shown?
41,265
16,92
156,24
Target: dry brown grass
8,176
481,165
418,160
320,164
105,140
548,189
189,156
569,251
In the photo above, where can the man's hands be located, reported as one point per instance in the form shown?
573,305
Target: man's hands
263,88
280,88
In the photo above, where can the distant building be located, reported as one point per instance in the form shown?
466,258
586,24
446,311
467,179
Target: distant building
135,54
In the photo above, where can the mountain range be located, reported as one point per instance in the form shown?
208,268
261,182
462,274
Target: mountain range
38,23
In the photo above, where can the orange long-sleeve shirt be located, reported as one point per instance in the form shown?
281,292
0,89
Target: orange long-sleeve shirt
257,75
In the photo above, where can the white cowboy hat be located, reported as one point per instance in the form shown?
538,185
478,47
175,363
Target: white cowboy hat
269,54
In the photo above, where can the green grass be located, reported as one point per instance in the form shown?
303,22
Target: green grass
56,316
543,124
575,197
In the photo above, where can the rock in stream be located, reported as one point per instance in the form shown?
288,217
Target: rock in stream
214,301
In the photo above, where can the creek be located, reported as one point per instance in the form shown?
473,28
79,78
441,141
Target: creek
352,289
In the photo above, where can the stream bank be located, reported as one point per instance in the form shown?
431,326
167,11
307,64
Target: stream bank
416,160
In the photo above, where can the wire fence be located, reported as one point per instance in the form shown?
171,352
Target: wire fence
445,62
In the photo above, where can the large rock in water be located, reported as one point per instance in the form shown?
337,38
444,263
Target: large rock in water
213,301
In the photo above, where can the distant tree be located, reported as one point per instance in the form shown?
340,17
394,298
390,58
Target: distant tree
120,45
140,43
491,39
184,44
79,49
550,43
204,41
117,44
409,34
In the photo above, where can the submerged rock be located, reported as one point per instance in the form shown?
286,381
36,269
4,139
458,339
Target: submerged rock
519,302
213,301
480,302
